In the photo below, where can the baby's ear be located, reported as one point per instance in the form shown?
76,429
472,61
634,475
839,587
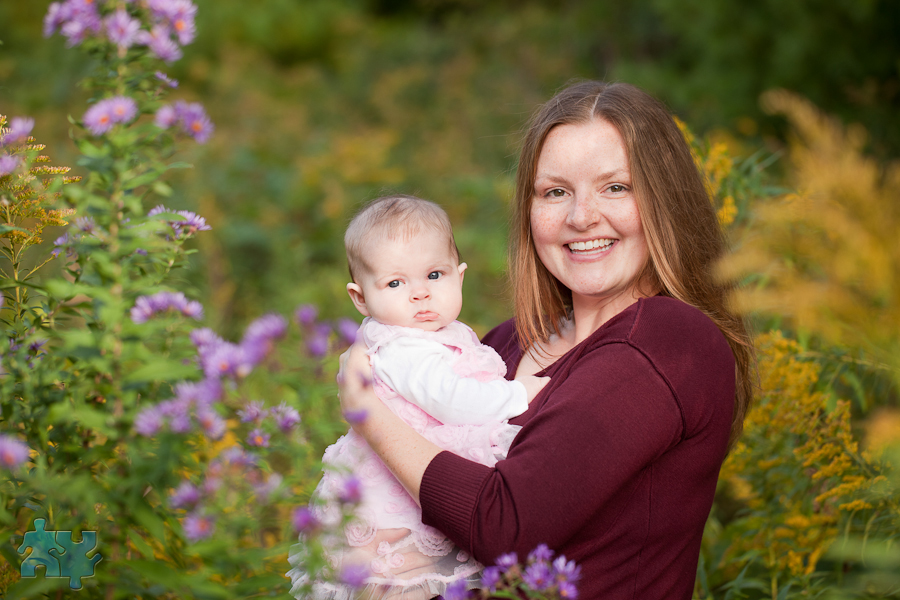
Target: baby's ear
462,271
359,301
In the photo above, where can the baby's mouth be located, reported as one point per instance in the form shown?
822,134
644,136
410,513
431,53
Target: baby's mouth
426,315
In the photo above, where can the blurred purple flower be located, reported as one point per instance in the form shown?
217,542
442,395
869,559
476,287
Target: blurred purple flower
456,590
237,456
567,589
19,130
564,571
264,490
198,527
160,43
224,359
252,412
507,561
212,424
74,18
306,314
354,417
286,417
57,14
347,329
166,116
203,392
85,225
148,422
146,307
121,29
172,83
354,575
258,438
180,422
8,164
13,453
317,345
204,338
490,577
186,495
303,520
538,576
260,335
102,116
351,490
195,122
541,553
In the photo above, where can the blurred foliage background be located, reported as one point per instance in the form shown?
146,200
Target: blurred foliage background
320,105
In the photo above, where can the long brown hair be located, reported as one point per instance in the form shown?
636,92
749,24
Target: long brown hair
680,225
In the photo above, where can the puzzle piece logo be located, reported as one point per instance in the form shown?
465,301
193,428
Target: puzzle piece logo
59,554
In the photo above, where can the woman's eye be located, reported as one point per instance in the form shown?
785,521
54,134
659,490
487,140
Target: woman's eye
556,193
617,188
395,283
434,275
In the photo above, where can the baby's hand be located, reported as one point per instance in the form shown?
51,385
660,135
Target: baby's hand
533,385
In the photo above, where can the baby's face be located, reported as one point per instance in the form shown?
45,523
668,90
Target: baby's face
415,283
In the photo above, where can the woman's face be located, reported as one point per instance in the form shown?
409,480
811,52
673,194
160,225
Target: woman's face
584,216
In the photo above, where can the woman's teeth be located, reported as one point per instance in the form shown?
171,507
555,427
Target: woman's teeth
603,244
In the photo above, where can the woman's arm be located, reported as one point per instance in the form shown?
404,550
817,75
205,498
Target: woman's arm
406,453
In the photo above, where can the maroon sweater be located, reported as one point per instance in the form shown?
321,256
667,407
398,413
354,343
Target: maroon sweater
617,460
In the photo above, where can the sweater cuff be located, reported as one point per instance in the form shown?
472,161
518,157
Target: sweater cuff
449,494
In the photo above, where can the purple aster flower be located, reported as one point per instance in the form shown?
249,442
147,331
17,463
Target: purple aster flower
172,83
253,412
306,314
203,393
354,575
235,455
354,417
490,577
541,553
317,344
57,14
538,576
122,108
347,330
147,306
13,453
351,490
19,130
121,29
148,422
303,520
566,589
158,209
566,571
212,424
98,119
260,335
507,561
456,590
204,338
160,43
8,164
85,225
286,417
264,490
186,495
195,122
258,438
166,116
225,359
198,527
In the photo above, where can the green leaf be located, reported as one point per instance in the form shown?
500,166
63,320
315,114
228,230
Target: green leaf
161,370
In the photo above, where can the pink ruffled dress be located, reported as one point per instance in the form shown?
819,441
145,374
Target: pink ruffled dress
406,559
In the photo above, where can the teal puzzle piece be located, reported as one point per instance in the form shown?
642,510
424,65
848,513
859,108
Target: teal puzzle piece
75,563
42,543
59,554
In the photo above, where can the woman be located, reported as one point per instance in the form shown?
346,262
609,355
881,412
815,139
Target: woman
615,300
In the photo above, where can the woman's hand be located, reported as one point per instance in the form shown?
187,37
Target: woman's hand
354,379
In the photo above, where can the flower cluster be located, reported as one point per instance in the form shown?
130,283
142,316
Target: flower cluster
146,307
318,333
190,118
189,224
18,132
194,403
101,117
171,24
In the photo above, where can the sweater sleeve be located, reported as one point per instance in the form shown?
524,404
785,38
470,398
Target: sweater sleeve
421,371
603,423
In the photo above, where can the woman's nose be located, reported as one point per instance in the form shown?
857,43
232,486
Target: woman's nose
583,213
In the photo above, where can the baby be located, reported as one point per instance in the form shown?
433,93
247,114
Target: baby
431,371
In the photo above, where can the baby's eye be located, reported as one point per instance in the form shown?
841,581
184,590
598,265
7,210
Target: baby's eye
395,283
434,275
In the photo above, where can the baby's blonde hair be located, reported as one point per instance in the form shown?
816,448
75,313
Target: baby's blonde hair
389,218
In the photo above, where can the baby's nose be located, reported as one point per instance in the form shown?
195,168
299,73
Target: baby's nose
420,293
